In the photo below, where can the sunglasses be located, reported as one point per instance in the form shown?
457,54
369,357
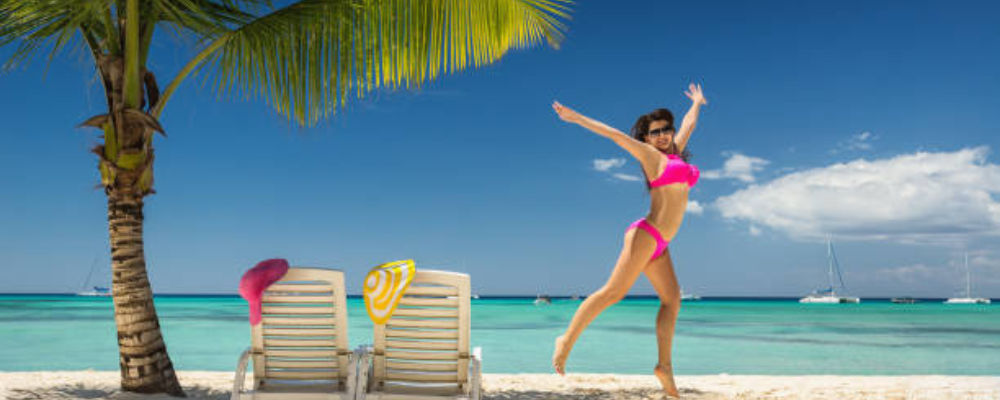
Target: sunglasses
664,131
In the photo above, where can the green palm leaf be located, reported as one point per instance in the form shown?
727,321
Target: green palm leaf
310,56
39,24
305,58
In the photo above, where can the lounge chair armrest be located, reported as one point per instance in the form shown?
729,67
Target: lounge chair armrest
241,370
476,374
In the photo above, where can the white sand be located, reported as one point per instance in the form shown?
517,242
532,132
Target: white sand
217,385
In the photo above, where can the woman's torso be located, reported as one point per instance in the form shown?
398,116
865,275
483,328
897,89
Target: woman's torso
668,202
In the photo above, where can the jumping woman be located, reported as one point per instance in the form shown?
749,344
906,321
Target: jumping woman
659,149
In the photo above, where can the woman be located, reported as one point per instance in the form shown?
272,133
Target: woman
659,149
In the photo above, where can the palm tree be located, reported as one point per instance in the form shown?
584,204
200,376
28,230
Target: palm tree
305,58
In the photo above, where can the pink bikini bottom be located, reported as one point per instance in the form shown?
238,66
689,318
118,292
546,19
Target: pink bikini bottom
661,245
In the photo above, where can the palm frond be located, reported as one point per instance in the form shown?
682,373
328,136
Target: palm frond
307,58
206,18
38,24
52,24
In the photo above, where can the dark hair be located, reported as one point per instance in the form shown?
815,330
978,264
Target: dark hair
641,128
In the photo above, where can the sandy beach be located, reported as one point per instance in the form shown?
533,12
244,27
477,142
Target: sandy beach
217,385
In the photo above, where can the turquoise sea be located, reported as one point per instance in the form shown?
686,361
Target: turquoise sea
735,336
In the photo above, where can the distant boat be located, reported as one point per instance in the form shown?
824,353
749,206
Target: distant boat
968,299
575,297
94,291
689,296
829,295
542,300
903,300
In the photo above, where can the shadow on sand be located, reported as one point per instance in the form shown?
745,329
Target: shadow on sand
87,391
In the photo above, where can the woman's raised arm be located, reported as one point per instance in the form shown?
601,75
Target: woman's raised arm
691,118
644,153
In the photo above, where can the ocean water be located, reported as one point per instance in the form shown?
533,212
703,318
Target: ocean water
62,332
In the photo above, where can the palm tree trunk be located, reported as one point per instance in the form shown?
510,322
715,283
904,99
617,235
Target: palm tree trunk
145,365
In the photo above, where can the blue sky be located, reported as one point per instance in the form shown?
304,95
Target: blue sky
871,121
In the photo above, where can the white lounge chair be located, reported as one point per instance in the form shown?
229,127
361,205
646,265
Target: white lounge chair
422,352
300,348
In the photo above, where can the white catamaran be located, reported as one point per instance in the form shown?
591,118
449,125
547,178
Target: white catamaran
95,291
689,296
968,299
829,295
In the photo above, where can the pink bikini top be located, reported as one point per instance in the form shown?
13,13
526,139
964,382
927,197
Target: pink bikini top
676,171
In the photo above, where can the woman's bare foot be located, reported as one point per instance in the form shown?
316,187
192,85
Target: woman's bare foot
666,376
559,355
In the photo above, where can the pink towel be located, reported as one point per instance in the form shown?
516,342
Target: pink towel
257,279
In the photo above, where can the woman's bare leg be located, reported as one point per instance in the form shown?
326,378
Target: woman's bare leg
636,251
660,272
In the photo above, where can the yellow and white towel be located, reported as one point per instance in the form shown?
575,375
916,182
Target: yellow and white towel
384,287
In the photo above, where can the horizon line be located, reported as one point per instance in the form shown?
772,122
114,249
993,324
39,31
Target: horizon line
500,296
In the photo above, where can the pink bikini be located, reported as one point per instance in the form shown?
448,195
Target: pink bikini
676,171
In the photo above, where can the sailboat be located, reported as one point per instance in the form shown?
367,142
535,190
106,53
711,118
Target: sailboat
94,291
968,299
829,295
689,296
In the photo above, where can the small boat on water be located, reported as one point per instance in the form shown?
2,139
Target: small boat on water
689,296
968,299
829,295
543,300
94,291
903,300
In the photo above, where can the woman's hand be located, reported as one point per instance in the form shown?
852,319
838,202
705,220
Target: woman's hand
694,93
565,113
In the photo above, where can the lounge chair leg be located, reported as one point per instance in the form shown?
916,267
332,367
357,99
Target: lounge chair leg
362,365
241,370
476,374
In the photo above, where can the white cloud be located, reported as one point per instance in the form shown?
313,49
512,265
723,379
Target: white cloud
694,207
626,177
915,273
604,165
862,141
737,166
609,164
754,231
920,197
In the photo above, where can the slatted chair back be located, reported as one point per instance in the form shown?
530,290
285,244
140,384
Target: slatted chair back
424,347
301,342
